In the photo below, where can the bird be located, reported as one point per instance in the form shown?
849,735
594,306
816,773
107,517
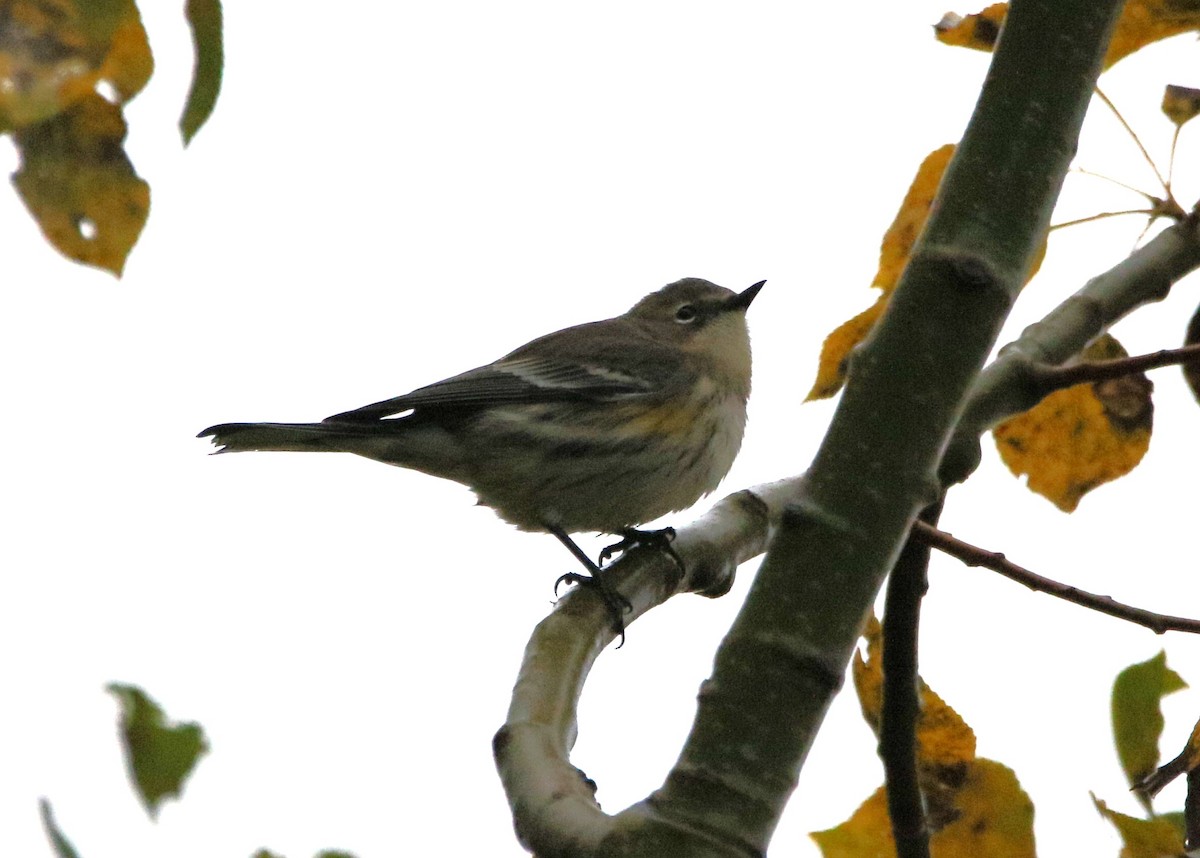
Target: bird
597,427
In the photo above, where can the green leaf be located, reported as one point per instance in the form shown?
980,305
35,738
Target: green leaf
1158,837
1137,715
80,186
160,755
204,17
62,846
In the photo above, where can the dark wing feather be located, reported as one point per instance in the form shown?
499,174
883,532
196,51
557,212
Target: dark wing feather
596,366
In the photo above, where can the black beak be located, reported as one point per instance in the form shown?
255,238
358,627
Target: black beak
742,300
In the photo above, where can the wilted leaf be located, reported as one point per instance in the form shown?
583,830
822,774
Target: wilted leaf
1180,103
1157,837
204,18
77,181
62,846
160,755
1191,371
1142,22
993,819
1137,715
53,53
1081,437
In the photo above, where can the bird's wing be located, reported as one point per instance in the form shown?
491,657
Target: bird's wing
528,375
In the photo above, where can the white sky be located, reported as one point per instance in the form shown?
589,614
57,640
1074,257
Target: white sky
403,191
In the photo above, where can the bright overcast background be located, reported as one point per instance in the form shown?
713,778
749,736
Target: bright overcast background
392,193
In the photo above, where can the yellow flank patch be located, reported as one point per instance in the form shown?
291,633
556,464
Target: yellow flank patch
667,419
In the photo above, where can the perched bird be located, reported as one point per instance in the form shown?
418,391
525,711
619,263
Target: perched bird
597,427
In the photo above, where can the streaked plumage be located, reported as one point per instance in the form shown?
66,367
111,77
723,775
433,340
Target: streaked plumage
597,427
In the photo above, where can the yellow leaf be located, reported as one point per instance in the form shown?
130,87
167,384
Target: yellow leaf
894,253
893,256
978,30
831,366
1180,103
943,738
1156,837
1081,437
975,807
1142,22
993,818
54,53
79,185
866,833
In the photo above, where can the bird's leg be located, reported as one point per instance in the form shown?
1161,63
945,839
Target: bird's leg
632,538
617,604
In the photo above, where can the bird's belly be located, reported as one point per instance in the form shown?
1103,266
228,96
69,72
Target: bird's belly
606,470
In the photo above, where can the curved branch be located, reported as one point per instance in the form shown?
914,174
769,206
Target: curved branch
554,809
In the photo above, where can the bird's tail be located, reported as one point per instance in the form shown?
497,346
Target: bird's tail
292,437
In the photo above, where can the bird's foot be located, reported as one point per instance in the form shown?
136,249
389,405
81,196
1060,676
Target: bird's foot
618,606
632,538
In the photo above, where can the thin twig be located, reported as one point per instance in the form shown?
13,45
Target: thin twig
1059,377
1091,218
974,556
901,708
1136,140
1085,172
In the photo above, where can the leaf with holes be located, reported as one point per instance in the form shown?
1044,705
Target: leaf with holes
54,53
80,186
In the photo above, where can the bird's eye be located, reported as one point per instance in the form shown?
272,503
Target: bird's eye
686,313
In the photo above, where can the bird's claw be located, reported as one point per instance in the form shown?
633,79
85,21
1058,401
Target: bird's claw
618,606
632,538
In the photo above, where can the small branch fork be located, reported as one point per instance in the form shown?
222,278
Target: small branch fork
974,556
